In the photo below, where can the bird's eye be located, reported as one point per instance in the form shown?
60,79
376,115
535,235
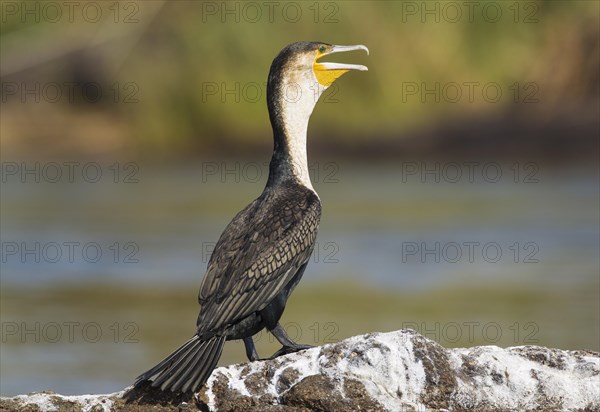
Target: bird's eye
322,49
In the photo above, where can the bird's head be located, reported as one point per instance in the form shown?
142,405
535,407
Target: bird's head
298,77
300,62
296,81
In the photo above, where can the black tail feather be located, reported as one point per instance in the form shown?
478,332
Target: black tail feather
188,368
203,372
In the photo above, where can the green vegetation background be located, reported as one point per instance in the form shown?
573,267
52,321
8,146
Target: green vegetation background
199,77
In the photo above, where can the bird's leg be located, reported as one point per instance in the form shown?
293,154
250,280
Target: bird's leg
251,352
289,346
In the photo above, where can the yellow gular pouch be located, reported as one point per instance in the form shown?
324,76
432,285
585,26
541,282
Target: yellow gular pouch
327,77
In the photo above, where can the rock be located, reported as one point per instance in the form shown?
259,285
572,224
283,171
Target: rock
396,371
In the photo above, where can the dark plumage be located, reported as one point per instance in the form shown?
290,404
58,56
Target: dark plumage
256,263
262,253
257,257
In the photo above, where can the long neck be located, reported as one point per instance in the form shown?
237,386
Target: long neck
290,106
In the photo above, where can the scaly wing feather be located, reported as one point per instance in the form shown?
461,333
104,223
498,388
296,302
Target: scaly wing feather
257,255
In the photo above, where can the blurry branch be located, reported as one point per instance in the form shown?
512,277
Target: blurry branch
41,43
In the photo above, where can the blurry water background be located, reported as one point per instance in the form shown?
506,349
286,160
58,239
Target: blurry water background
472,222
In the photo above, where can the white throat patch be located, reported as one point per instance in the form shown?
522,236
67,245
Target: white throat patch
300,93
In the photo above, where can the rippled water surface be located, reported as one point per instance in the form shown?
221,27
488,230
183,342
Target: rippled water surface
99,279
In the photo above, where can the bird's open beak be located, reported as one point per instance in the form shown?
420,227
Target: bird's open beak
341,66
327,72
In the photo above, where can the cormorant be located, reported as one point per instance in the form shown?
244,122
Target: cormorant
262,254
